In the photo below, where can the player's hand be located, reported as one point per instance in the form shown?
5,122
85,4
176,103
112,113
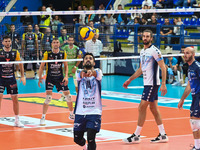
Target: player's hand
180,104
40,81
23,80
126,83
65,80
73,70
163,89
89,73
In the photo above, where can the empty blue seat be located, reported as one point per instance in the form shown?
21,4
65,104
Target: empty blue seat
161,21
193,21
186,21
198,21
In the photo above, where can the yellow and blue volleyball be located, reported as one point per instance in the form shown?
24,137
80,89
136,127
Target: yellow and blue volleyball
87,33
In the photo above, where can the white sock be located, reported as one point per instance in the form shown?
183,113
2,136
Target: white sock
197,143
43,116
138,130
161,129
71,112
84,147
16,117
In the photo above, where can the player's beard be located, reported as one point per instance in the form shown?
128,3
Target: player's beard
88,65
189,59
146,42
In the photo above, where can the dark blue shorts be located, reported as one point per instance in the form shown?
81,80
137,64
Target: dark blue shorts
150,93
10,84
84,122
195,108
50,82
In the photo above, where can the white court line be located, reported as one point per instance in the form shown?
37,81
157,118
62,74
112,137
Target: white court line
121,122
99,143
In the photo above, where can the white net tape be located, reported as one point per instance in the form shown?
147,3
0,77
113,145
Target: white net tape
100,12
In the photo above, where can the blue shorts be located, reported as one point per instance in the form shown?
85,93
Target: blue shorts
84,122
195,108
50,82
10,84
150,93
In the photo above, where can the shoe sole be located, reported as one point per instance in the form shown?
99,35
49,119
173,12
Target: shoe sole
163,141
71,118
131,142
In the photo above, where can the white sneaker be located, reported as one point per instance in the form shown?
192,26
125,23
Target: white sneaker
160,139
132,139
62,98
18,74
18,124
42,122
36,76
176,83
184,84
71,116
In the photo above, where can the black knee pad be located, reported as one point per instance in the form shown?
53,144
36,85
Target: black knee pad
78,138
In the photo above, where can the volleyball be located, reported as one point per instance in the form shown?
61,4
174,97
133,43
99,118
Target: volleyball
87,33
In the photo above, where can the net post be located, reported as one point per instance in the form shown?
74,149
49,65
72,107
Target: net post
158,36
182,35
115,34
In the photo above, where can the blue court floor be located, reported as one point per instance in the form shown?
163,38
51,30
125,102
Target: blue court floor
112,89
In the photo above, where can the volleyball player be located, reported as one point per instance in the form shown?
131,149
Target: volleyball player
88,107
55,77
193,86
7,76
151,59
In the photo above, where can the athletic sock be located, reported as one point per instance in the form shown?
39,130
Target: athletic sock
138,130
197,143
16,117
161,129
43,116
71,112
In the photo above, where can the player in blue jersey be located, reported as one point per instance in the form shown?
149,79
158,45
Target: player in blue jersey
150,61
193,86
88,107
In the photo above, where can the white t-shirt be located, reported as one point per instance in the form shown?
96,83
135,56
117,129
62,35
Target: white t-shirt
94,47
88,100
150,69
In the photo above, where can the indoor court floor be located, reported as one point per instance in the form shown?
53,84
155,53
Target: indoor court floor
119,119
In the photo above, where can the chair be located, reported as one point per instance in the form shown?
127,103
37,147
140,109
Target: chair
186,21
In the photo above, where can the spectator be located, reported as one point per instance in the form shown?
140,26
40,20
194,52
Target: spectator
171,67
159,4
168,3
97,18
182,66
121,18
185,3
132,33
81,16
44,20
47,40
91,24
50,9
95,47
149,4
153,24
56,21
133,16
85,7
146,15
101,6
90,17
103,29
26,20
63,38
166,32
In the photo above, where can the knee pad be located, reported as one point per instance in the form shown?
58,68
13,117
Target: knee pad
195,124
48,99
68,98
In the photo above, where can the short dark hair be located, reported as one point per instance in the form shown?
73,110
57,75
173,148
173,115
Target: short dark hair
55,39
71,37
24,8
12,25
88,54
6,37
149,31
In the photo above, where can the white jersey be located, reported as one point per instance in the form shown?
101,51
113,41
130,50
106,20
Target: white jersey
88,100
150,69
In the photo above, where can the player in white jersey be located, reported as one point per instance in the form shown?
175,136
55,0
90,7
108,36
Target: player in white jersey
88,107
150,61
